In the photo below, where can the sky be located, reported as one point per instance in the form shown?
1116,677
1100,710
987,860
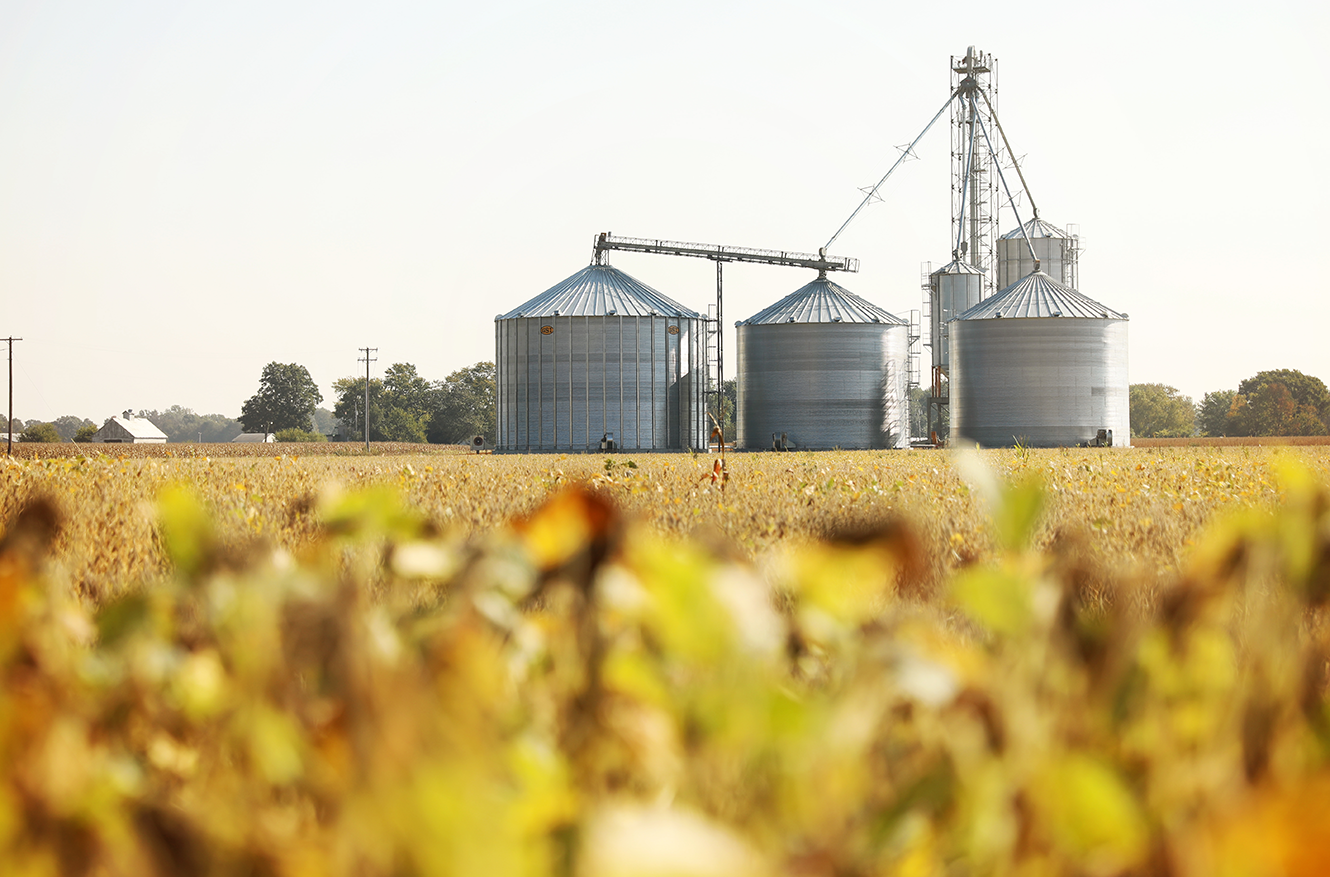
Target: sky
189,190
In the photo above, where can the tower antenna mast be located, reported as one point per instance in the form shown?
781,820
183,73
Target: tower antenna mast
9,421
367,360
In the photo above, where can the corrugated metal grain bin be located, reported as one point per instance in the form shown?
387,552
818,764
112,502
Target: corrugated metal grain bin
1041,365
600,356
826,369
1056,250
952,289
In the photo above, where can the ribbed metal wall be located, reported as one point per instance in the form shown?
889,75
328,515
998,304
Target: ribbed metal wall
1055,249
1039,365
826,368
564,388
564,381
953,289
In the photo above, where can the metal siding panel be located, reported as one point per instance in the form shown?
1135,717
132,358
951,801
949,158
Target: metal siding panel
550,394
1043,383
593,375
824,385
744,437
578,377
653,382
1050,244
622,410
498,385
598,364
953,294
634,422
698,416
548,379
672,386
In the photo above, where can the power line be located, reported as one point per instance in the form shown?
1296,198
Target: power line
9,421
367,359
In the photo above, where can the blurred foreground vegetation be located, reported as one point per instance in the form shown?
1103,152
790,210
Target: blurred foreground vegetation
838,664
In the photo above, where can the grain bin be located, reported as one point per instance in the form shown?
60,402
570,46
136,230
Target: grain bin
1056,250
600,357
825,369
952,289
1040,365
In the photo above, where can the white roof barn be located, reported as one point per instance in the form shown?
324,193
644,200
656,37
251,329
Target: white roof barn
128,429
255,437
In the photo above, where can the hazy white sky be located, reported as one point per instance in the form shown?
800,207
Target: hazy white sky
191,190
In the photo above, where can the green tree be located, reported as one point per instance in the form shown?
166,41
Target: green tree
400,425
1212,413
464,406
85,433
69,425
299,435
182,425
350,409
325,422
408,402
729,404
286,398
1160,411
40,432
1281,402
400,406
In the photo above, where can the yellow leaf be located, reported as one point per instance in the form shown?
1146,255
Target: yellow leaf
997,599
1091,814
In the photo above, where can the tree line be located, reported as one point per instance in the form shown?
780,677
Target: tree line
180,424
1275,402
406,407
403,407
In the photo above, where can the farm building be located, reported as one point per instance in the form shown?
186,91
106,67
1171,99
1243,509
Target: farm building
254,438
600,357
131,430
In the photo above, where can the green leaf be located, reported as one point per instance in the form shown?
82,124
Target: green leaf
274,745
186,529
997,599
119,619
372,513
1018,516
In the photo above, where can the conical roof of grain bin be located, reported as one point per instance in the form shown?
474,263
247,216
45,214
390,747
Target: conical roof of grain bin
825,369
1040,365
600,357
599,291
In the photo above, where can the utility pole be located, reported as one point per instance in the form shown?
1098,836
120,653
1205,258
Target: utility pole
367,360
9,422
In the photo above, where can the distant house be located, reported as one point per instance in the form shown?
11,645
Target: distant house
130,430
255,437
